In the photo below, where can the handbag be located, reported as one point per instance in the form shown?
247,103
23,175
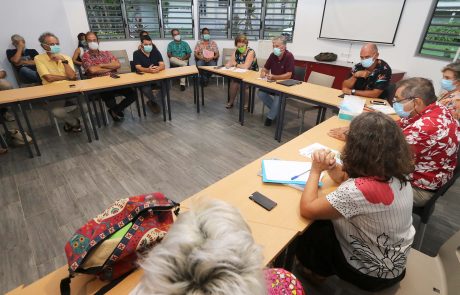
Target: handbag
108,245
326,56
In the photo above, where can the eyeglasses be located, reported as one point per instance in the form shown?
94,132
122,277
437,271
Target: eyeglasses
401,100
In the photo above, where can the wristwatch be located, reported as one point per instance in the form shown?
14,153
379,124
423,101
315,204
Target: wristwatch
65,62
353,91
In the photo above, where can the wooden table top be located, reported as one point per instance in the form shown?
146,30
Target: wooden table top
229,73
29,93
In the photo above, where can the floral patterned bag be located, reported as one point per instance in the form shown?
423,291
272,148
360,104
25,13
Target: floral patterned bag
108,245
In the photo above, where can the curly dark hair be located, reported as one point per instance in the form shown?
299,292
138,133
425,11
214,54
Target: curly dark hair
376,147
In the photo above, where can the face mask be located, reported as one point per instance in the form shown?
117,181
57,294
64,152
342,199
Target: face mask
93,45
55,49
242,49
276,51
206,37
367,62
447,84
177,37
399,109
148,48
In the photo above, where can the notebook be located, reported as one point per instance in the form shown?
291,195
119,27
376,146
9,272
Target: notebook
289,82
285,172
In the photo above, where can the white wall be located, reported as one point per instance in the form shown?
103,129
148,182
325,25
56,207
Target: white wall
67,18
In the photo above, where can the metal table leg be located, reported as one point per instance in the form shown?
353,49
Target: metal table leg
163,97
95,113
91,118
138,105
241,119
168,99
83,116
31,132
143,102
14,108
253,98
279,125
197,88
101,108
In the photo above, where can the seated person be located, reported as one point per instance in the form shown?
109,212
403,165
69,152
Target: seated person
206,53
53,67
178,53
243,58
22,59
370,77
142,34
81,49
430,130
450,83
279,66
210,250
148,60
97,63
5,85
363,230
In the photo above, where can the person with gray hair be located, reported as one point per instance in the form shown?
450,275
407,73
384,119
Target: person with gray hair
279,66
370,77
22,59
210,250
450,84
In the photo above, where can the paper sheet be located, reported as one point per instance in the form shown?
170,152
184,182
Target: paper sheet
280,171
386,109
308,151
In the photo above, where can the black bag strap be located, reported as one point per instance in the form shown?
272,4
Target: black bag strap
64,286
112,284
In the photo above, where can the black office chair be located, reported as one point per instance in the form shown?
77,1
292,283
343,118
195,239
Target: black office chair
426,211
389,93
299,73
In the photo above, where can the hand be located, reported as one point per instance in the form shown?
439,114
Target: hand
339,133
346,91
362,74
323,160
263,74
154,69
21,45
269,76
57,57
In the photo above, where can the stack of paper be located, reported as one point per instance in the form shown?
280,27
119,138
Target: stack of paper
351,107
386,109
285,172
308,151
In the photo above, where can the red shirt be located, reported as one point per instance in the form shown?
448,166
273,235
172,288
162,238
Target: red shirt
90,59
280,66
433,135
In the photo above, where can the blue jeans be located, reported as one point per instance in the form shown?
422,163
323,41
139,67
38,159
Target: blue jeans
29,75
272,102
201,63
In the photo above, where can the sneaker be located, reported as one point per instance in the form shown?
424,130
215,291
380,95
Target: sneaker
8,117
268,122
182,88
154,107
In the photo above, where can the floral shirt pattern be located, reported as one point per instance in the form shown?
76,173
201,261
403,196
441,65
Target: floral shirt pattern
379,78
375,231
433,135
282,282
208,45
95,59
451,100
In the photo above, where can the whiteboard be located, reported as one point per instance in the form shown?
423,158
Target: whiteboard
361,20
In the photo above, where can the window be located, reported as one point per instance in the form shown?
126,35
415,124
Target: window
177,14
442,36
106,18
142,15
279,18
213,15
246,18
258,19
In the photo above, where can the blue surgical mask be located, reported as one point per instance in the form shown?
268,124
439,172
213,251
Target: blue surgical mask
206,37
447,84
399,109
55,49
148,48
276,51
367,62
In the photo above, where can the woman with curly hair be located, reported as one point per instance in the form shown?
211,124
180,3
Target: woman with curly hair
363,230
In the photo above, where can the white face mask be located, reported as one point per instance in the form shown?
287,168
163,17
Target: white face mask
93,45
177,37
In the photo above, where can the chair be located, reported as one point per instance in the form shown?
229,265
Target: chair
314,78
389,93
426,211
123,58
21,82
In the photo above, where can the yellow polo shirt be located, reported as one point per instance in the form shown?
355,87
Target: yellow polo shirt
46,66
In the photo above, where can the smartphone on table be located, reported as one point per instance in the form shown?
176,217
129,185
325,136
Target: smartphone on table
263,201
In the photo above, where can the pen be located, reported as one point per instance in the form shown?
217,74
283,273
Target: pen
297,176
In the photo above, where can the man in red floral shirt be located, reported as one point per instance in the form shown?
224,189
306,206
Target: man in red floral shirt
102,63
432,133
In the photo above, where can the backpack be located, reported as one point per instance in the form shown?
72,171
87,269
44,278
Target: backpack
326,56
108,245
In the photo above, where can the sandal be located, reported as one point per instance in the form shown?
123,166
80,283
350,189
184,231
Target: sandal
67,127
229,106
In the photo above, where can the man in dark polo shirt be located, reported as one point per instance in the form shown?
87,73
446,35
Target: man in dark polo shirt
370,77
279,66
148,59
22,59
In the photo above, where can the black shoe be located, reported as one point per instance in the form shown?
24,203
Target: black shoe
268,122
115,116
182,88
121,114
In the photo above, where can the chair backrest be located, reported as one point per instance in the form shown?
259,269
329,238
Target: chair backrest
299,73
321,79
449,254
122,57
227,54
389,93
133,67
261,61
20,81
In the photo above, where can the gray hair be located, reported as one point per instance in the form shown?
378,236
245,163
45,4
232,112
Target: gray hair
208,250
280,38
418,87
16,38
45,35
454,67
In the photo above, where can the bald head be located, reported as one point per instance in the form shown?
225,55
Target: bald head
369,49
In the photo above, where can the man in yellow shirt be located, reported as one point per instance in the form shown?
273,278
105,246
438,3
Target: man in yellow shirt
52,67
